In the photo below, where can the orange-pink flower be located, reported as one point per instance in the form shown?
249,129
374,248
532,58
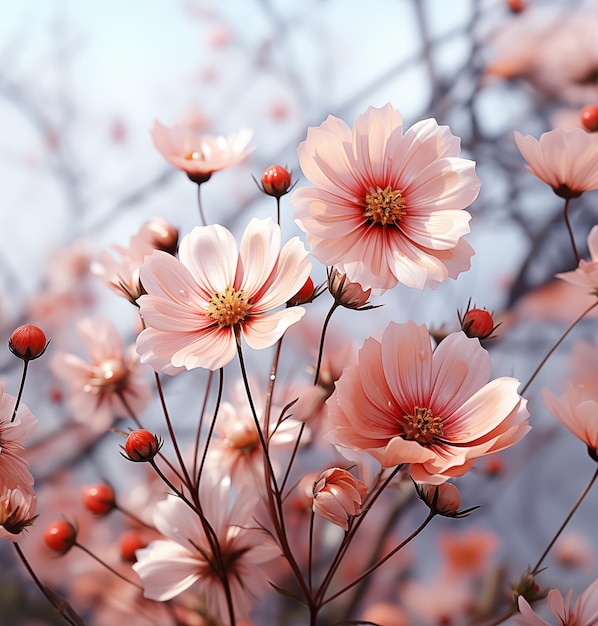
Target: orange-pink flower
198,306
406,404
386,206
200,155
338,495
586,273
564,159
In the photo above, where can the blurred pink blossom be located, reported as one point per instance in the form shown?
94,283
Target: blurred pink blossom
386,206
403,403
198,307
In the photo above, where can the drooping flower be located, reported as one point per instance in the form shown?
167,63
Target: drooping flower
577,410
338,495
17,512
13,434
586,273
200,155
198,306
386,206
169,567
565,159
583,613
405,404
109,386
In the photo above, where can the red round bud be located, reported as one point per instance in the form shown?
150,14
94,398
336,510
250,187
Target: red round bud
477,323
99,499
516,6
141,445
27,342
60,536
589,117
276,181
304,295
130,542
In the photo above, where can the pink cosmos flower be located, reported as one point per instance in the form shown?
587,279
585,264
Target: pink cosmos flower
586,273
386,206
577,410
13,433
338,495
169,567
583,613
563,159
198,307
200,155
403,404
109,386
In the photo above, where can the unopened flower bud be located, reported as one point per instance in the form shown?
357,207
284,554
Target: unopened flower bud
141,445
348,294
516,6
28,342
130,542
589,117
99,499
276,181
338,495
60,536
306,294
477,323
443,499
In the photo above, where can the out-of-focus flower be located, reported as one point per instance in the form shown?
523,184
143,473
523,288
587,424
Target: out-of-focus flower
467,552
17,512
200,155
586,273
142,446
338,495
122,274
169,567
197,308
574,550
60,536
28,342
386,206
563,159
405,404
577,410
583,613
109,386
13,433
99,499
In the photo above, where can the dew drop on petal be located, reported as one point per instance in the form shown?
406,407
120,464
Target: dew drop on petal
423,355
183,293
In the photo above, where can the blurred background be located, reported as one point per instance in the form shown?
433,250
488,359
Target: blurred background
81,85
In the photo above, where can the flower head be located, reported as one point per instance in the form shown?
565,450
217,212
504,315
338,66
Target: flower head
198,306
563,159
405,404
28,342
109,384
200,156
386,206
586,273
338,495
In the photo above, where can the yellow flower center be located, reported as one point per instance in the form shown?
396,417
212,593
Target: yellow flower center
385,206
422,426
229,307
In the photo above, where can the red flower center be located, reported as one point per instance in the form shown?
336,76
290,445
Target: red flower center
422,426
228,308
385,206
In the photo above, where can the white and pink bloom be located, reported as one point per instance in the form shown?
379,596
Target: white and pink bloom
186,557
586,273
200,155
435,410
198,306
13,434
337,495
563,159
110,384
386,206
583,613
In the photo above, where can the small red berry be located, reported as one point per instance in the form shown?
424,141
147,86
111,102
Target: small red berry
516,6
27,342
477,323
276,181
99,499
141,445
60,536
131,541
589,117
